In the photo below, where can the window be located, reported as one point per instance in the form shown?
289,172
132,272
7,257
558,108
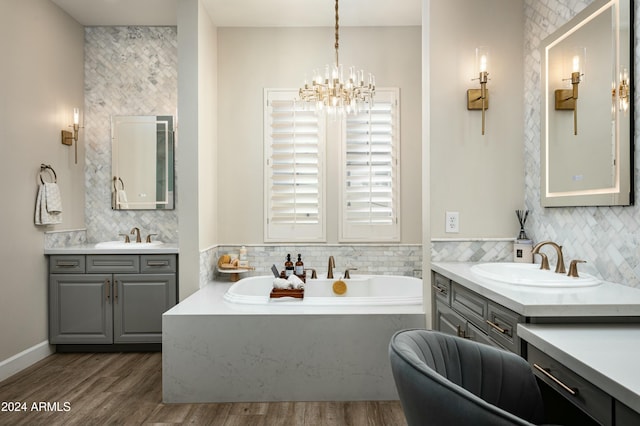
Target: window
370,172
294,171
295,176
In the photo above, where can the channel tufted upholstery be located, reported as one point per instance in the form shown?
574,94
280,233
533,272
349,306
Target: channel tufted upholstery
447,380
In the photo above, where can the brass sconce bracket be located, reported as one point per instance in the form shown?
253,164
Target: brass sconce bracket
565,100
67,138
474,99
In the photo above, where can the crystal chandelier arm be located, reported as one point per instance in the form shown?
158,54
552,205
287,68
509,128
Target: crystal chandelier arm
337,45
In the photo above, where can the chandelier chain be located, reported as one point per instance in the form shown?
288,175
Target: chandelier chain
337,45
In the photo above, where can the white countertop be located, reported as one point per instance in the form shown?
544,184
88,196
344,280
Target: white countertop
606,299
604,354
90,248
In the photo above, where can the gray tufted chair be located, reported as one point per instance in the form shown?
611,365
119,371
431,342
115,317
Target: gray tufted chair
447,380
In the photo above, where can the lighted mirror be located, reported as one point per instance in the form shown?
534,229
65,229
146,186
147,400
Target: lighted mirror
587,109
142,162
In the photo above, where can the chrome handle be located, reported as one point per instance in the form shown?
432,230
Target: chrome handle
67,264
498,328
545,371
107,286
115,289
157,263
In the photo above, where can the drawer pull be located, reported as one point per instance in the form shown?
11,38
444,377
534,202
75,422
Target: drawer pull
107,286
157,263
544,371
115,289
500,329
439,289
462,333
67,264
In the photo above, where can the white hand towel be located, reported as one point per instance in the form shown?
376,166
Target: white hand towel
54,200
281,283
121,197
42,215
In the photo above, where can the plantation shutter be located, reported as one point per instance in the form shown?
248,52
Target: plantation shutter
294,172
370,187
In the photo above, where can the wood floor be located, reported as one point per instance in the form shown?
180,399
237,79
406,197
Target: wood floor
126,388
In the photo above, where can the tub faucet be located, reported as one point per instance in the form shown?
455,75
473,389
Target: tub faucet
560,265
332,264
136,231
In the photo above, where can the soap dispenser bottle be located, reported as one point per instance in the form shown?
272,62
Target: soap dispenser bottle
288,267
299,266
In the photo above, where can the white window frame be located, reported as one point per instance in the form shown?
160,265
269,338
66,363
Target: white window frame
357,231
294,231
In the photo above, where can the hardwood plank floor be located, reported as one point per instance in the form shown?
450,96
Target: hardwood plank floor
126,388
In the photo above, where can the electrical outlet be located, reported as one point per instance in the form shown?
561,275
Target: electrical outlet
452,222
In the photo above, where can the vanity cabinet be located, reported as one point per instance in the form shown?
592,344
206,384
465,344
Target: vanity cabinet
462,312
110,299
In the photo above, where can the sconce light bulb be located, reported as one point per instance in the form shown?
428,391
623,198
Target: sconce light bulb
483,63
576,63
76,116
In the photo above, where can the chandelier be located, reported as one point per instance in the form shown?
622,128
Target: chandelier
335,94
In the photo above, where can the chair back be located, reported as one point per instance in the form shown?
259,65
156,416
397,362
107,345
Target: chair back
446,380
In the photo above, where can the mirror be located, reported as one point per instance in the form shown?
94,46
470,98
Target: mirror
142,162
587,109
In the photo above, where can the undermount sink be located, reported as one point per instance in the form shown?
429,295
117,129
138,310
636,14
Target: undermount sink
123,245
530,274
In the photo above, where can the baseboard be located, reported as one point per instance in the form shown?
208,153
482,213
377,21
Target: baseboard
24,359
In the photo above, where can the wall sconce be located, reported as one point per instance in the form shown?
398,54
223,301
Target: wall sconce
623,91
479,98
567,99
68,137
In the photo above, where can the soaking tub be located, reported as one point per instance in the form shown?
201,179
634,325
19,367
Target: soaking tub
231,342
362,290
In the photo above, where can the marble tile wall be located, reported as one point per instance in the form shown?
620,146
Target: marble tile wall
607,237
128,71
383,259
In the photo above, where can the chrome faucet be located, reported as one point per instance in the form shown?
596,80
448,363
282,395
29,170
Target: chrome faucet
332,264
560,269
136,231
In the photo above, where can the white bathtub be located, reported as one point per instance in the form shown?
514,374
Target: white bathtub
230,342
362,290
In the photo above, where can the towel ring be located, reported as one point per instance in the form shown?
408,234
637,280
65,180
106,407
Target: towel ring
115,183
45,168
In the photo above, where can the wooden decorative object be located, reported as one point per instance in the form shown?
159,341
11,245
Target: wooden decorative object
287,292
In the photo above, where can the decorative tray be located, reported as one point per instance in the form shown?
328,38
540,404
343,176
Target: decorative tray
287,292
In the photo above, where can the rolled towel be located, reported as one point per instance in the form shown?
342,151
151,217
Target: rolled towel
281,283
295,282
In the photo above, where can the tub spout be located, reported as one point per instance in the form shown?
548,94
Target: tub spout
332,264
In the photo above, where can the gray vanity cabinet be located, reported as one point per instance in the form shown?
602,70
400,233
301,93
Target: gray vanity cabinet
110,299
461,312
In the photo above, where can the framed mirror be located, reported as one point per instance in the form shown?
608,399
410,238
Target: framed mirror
142,162
587,109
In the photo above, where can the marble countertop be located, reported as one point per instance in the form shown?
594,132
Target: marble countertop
606,299
90,248
604,354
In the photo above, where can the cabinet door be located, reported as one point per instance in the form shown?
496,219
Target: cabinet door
139,302
448,321
80,309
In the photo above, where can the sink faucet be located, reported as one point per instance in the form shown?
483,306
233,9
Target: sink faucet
545,265
332,264
136,231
